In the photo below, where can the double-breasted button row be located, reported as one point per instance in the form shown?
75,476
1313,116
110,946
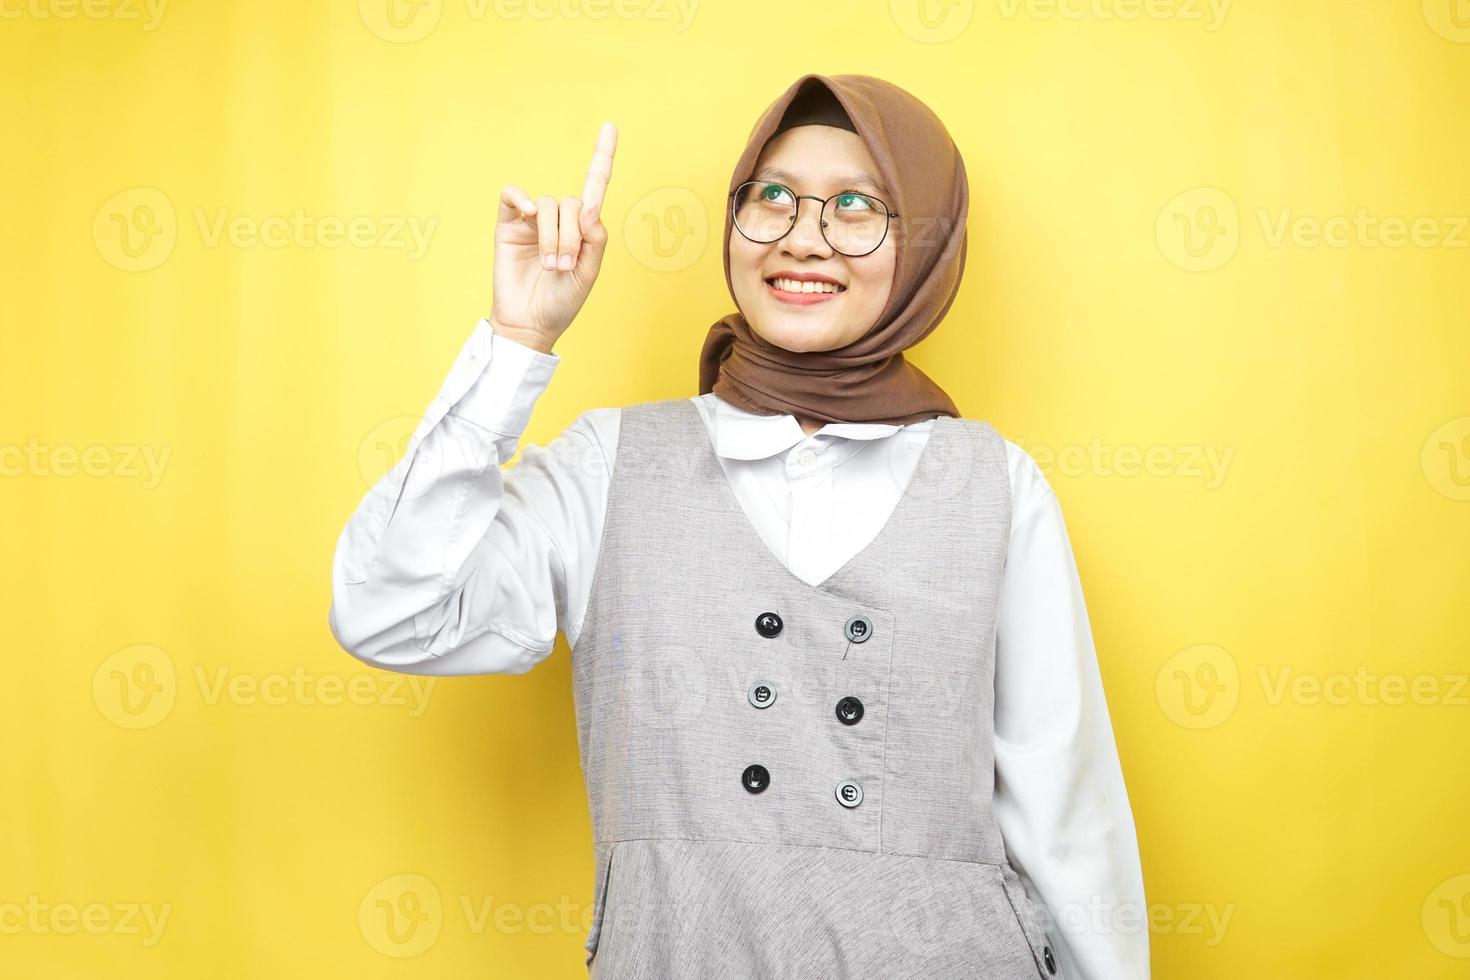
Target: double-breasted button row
762,694
857,629
756,778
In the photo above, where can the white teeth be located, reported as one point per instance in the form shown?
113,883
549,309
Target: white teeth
798,286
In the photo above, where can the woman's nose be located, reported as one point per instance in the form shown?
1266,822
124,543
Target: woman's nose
805,237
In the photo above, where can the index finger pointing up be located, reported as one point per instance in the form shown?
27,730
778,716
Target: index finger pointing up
599,172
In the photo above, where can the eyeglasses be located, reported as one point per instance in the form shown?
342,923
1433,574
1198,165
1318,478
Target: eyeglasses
853,224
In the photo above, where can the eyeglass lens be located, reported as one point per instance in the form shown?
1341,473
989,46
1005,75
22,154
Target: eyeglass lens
853,223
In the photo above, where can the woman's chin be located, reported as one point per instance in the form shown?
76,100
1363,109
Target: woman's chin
799,337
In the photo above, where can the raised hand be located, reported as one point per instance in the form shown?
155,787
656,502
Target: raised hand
548,253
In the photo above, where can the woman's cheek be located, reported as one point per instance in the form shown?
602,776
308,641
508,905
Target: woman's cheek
743,270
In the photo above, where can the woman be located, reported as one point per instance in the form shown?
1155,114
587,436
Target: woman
838,708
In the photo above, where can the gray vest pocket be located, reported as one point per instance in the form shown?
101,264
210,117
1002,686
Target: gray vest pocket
599,901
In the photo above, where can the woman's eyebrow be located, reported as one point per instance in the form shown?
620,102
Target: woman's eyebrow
859,178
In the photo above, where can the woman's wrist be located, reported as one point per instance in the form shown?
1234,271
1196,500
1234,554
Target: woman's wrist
528,338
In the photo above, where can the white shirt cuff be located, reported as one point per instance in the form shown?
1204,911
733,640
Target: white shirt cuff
500,380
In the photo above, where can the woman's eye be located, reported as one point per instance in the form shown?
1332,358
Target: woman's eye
853,202
772,192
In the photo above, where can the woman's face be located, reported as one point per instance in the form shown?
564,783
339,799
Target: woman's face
816,160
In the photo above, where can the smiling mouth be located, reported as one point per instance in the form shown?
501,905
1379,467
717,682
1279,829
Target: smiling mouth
794,290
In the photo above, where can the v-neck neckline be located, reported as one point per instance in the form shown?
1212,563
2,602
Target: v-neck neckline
732,503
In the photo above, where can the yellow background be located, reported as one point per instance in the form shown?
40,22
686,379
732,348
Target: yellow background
1128,291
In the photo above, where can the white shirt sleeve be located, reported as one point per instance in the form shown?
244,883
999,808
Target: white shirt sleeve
1060,799
452,565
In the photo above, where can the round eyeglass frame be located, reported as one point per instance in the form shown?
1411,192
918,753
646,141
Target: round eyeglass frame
887,220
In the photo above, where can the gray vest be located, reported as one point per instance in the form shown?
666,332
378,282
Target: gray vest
788,780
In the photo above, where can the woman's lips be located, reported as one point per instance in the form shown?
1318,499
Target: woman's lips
802,299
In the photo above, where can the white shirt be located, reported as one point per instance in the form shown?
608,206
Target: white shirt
467,568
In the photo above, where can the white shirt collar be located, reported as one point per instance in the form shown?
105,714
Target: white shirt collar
746,435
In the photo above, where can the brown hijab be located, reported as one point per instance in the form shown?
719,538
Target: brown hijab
867,380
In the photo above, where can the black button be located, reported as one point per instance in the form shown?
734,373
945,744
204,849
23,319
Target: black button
849,710
768,624
859,628
1051,963
755,778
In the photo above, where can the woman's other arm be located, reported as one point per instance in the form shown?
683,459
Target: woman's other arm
1060,798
